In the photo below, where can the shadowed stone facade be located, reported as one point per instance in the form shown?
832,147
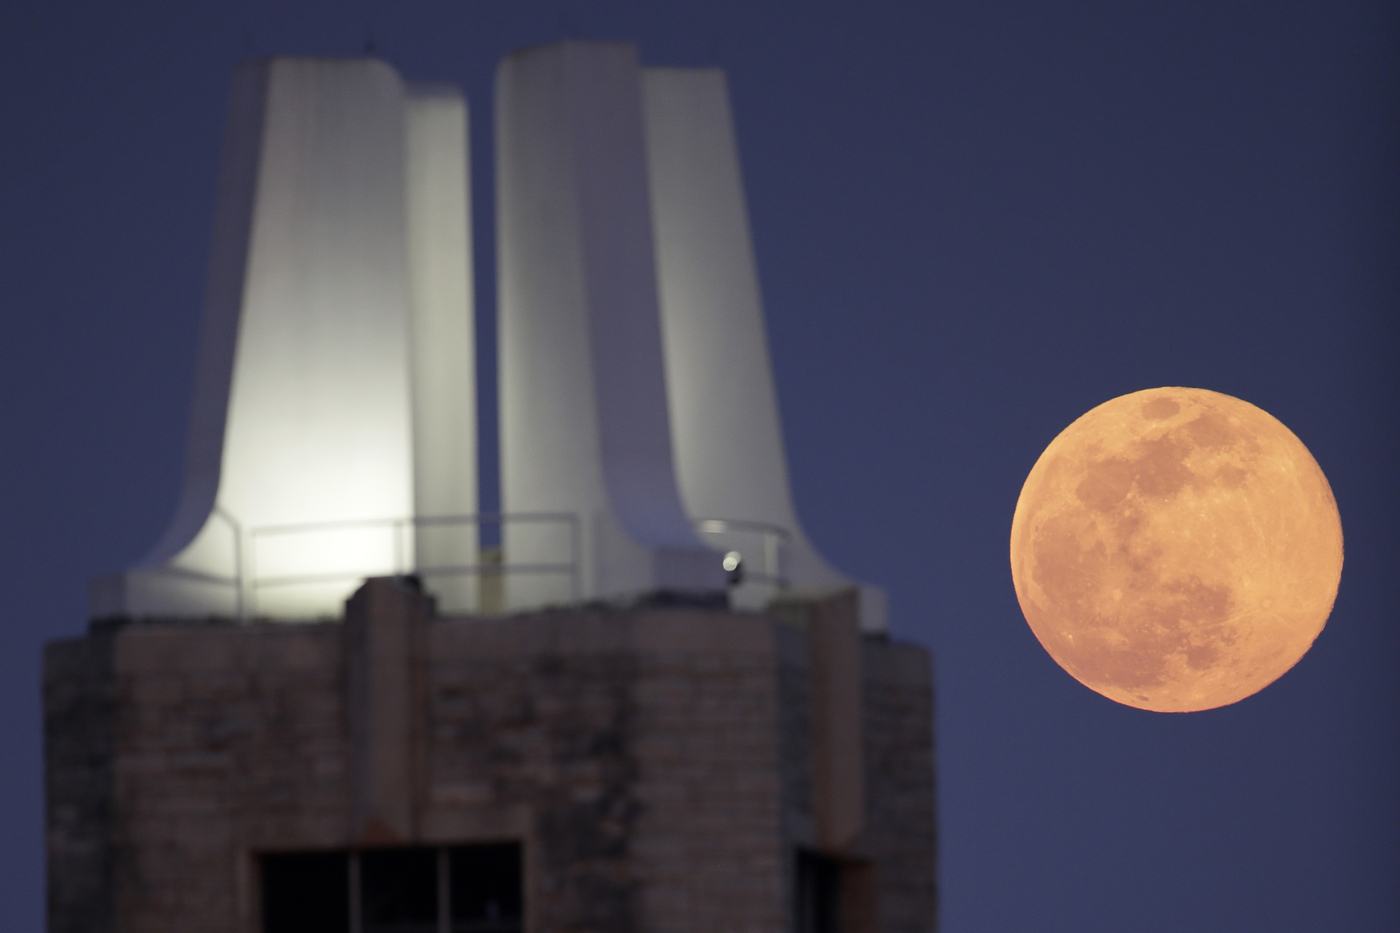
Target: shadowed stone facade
662,767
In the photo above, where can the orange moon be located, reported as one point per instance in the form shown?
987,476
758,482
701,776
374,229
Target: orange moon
1176,549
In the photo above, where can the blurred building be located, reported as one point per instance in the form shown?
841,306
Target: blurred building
636,699
651,768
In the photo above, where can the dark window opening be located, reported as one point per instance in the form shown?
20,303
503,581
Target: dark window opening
461,889
399,890
487,896
305,892
818,894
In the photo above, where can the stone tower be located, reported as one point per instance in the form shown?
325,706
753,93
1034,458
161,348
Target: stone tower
321,704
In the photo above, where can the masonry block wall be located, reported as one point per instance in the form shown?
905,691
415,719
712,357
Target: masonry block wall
661,766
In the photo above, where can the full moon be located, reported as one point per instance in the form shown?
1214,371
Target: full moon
1176,549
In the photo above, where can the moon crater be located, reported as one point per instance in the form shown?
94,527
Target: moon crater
1176,549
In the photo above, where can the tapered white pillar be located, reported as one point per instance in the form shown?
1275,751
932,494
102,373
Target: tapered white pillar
727,435
443,343
636,391
587,473
332,351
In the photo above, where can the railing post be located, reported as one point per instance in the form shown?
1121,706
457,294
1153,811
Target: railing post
239,599
250,572
396,532
576,555
239,607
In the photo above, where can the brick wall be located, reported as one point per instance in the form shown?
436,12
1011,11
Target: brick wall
656,763
900,836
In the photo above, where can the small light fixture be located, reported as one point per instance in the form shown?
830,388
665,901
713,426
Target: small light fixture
733,565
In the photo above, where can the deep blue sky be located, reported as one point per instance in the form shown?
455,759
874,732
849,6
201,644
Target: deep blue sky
974,222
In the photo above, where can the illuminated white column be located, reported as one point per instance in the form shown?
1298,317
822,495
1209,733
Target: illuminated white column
727,437
443,344
585,429
334,303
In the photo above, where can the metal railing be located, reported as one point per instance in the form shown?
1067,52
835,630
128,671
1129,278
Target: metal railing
759,543
400,531
397,545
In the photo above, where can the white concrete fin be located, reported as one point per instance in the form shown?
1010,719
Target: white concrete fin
335,353
584,419
725,427
443,344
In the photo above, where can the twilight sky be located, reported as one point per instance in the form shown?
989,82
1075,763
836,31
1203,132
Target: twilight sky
974,221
